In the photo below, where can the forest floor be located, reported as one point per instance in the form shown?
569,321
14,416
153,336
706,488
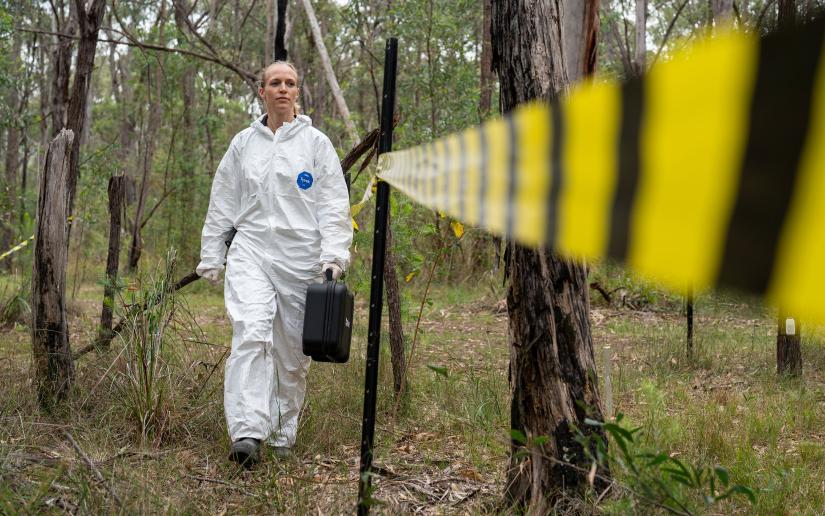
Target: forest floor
157,443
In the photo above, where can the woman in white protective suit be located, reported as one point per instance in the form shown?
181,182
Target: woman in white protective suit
280,186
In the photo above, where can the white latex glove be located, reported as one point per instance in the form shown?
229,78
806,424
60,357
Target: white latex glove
334,267
213,275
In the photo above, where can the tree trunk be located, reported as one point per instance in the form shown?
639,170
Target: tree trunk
787,14
117,193
553,380
23,177
722,11
641,32
340,103
397,351
269,35
61,66
281,31
54,368
186,185
148,156
88,25
45,99
153,89
121,90
487,78
480,245
12,156
581,23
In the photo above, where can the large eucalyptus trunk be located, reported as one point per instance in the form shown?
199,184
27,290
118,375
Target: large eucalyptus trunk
552,368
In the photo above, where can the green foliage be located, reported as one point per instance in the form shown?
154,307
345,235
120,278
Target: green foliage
439,370
657,478
145,378
15,308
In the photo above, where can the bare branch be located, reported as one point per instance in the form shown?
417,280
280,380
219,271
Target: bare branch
669,29
249,78
246,75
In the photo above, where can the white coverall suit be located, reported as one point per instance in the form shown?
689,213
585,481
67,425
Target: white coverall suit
286,196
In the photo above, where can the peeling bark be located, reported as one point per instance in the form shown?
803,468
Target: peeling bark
54,368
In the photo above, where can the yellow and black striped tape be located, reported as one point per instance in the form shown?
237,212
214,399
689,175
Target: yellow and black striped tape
709,170
16,248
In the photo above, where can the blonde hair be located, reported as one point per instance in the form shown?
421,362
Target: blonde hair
296,108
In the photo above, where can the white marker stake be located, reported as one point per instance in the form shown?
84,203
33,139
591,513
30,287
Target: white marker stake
790,326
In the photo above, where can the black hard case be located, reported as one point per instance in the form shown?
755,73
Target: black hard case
328,322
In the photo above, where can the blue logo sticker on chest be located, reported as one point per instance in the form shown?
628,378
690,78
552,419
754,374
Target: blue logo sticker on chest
304,180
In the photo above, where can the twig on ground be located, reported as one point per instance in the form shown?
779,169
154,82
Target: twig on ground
93,468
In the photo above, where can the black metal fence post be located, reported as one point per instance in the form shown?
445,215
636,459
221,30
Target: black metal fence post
382,204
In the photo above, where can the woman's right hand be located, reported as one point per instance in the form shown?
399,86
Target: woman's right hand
213,275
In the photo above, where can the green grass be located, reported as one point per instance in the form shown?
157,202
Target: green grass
724,404
447,448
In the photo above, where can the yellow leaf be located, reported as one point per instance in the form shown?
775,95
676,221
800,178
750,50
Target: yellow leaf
458,228
355,225
441,214
408,278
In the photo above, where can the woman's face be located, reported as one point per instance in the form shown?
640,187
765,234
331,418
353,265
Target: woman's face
280,90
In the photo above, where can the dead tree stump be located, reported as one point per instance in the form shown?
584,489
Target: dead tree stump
117,191
54,368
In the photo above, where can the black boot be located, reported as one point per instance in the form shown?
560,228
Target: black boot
244,451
